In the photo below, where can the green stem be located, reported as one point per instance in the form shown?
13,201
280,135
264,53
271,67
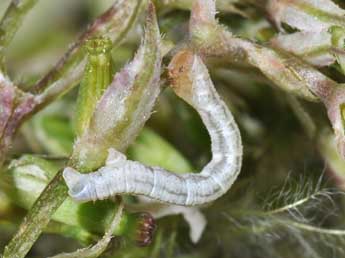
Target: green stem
11,22
99,248
37,218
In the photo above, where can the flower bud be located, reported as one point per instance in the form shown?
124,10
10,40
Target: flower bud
141,228
125,105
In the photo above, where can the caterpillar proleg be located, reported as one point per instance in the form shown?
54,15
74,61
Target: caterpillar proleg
191,81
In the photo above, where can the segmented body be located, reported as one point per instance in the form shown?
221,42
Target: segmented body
121,176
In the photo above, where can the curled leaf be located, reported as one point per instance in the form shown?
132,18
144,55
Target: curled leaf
335,105
319,49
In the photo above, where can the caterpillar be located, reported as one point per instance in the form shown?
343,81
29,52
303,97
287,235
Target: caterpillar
190,81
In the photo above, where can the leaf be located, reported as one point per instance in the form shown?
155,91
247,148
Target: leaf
312,47
306,15
152,150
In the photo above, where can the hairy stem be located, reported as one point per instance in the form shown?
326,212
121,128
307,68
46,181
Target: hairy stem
337,232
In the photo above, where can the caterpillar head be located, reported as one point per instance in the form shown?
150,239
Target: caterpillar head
79,185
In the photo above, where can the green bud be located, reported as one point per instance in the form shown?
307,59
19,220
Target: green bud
125,105
97,77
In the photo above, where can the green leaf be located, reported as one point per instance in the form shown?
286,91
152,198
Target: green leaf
152,150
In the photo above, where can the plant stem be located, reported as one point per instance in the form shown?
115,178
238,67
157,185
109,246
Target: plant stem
37,218
99,248
11,22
